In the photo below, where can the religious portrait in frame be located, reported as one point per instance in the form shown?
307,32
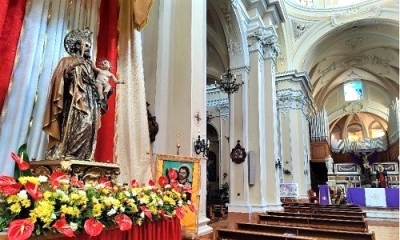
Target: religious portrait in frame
188,171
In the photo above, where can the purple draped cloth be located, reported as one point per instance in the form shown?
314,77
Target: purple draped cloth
356,196
324,196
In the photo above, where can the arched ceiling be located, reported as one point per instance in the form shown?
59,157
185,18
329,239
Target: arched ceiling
367,50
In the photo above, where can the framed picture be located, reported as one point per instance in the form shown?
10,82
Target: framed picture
390,167
289,190
347,169
188,170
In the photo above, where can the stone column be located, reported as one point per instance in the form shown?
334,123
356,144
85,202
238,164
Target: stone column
261,126
181,64
294,104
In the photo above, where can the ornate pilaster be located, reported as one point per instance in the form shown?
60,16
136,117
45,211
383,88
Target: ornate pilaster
265,40
294,103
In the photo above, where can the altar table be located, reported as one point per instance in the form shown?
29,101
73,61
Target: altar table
374,197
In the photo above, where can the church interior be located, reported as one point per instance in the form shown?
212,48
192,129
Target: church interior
268,104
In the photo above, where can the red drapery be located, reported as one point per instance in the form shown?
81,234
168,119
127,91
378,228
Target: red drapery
107,48
11,18
167,229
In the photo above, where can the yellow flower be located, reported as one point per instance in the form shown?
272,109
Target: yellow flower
47,195
43,210
26,203
15,208
24,180
97,209
12,198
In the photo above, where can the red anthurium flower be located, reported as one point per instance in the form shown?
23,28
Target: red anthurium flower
172,174
9,186
151,182
6,180
22,165
62,226
179,212
147,212
105,181
192,208
11,189
20,229
76,183
175,185
124,222
134,184
187,188
56,176
163,181
33,190
93,227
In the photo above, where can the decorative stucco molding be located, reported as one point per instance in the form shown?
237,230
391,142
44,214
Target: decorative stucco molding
354,14
288,99
264,39
300,27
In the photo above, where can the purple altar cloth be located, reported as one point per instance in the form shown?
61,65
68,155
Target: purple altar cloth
389,197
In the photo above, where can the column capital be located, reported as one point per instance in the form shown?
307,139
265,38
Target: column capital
264,40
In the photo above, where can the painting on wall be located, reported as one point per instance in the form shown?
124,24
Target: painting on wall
188,172
289,190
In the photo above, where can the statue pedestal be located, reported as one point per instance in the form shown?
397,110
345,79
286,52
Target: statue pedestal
85,170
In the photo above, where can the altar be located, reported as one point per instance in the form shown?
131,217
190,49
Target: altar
373,197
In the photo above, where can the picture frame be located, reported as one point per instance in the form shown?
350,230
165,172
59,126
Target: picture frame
346,169
289,190
183,164
390,167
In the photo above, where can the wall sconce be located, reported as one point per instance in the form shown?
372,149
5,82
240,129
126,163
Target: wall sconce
278,164
200,146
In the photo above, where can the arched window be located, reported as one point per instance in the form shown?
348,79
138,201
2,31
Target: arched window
353,91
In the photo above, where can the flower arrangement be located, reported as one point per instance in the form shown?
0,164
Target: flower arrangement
33,206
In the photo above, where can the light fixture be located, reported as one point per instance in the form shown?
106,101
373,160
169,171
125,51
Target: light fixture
228,84
200,146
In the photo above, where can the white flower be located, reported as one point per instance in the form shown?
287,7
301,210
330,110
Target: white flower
143,201
22,194
73,226
42,178
180,203
111,212
53,216
168,186
160,202
189,202
142,214
127,193
122,209
81,192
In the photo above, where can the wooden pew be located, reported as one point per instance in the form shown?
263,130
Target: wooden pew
325,211
234,234
316,215
322,223
306,232
321,205
352,209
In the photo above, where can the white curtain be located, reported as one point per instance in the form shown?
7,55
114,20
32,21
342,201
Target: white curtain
132,146
40,48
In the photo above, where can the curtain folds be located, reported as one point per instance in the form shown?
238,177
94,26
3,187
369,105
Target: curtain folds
107,48
132,141
11,18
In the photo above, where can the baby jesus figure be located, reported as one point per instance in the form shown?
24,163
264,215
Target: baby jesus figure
103,75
